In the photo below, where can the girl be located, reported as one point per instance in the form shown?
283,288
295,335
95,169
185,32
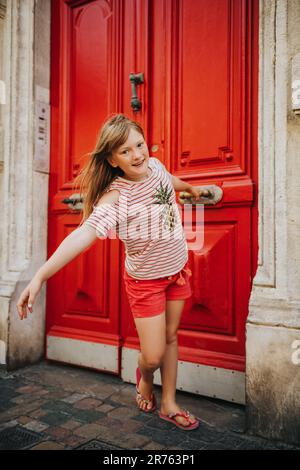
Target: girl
125,190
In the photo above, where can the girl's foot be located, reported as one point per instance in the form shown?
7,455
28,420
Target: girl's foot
145,390
166,409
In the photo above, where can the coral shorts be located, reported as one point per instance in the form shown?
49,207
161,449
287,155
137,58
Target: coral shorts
147,297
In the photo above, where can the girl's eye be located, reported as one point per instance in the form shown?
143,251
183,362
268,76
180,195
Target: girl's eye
141,143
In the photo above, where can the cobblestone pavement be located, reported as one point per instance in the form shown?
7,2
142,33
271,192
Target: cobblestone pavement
55,406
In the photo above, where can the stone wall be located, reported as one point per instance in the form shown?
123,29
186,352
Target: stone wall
273,327
24,176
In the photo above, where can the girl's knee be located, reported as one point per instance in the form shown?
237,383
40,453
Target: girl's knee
153,361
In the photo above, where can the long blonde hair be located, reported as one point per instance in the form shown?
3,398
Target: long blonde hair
98,174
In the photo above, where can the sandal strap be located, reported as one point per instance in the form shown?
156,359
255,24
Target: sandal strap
173,415
143,398
185,414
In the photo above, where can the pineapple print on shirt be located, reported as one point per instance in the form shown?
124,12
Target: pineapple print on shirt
163,197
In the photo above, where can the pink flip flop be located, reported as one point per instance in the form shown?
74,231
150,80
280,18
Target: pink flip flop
139,395
171,418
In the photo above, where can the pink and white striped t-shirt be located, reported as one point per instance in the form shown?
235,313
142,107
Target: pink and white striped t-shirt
152,248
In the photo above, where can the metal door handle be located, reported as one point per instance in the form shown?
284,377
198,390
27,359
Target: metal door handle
213,194
135,79
75,201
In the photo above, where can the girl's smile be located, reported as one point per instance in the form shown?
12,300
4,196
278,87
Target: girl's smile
140,163
132,157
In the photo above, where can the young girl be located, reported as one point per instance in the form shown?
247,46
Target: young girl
133,196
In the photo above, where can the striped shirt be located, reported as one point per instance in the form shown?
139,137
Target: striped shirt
151,230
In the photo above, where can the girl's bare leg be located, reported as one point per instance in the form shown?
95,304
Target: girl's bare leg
169,364
150,358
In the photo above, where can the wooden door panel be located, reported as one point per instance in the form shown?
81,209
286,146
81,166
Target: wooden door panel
83,298
201,131
82,93
217,311
213,272
208,74
89,73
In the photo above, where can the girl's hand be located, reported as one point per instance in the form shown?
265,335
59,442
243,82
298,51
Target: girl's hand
27,298
196,193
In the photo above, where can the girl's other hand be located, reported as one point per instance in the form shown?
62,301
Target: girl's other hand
27,298
197,193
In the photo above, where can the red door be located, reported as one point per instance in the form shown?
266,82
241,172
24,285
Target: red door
199,61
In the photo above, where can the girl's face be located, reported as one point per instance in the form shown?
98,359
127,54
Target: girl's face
132,157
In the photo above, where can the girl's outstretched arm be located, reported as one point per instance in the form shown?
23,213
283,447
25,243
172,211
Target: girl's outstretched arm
76,242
